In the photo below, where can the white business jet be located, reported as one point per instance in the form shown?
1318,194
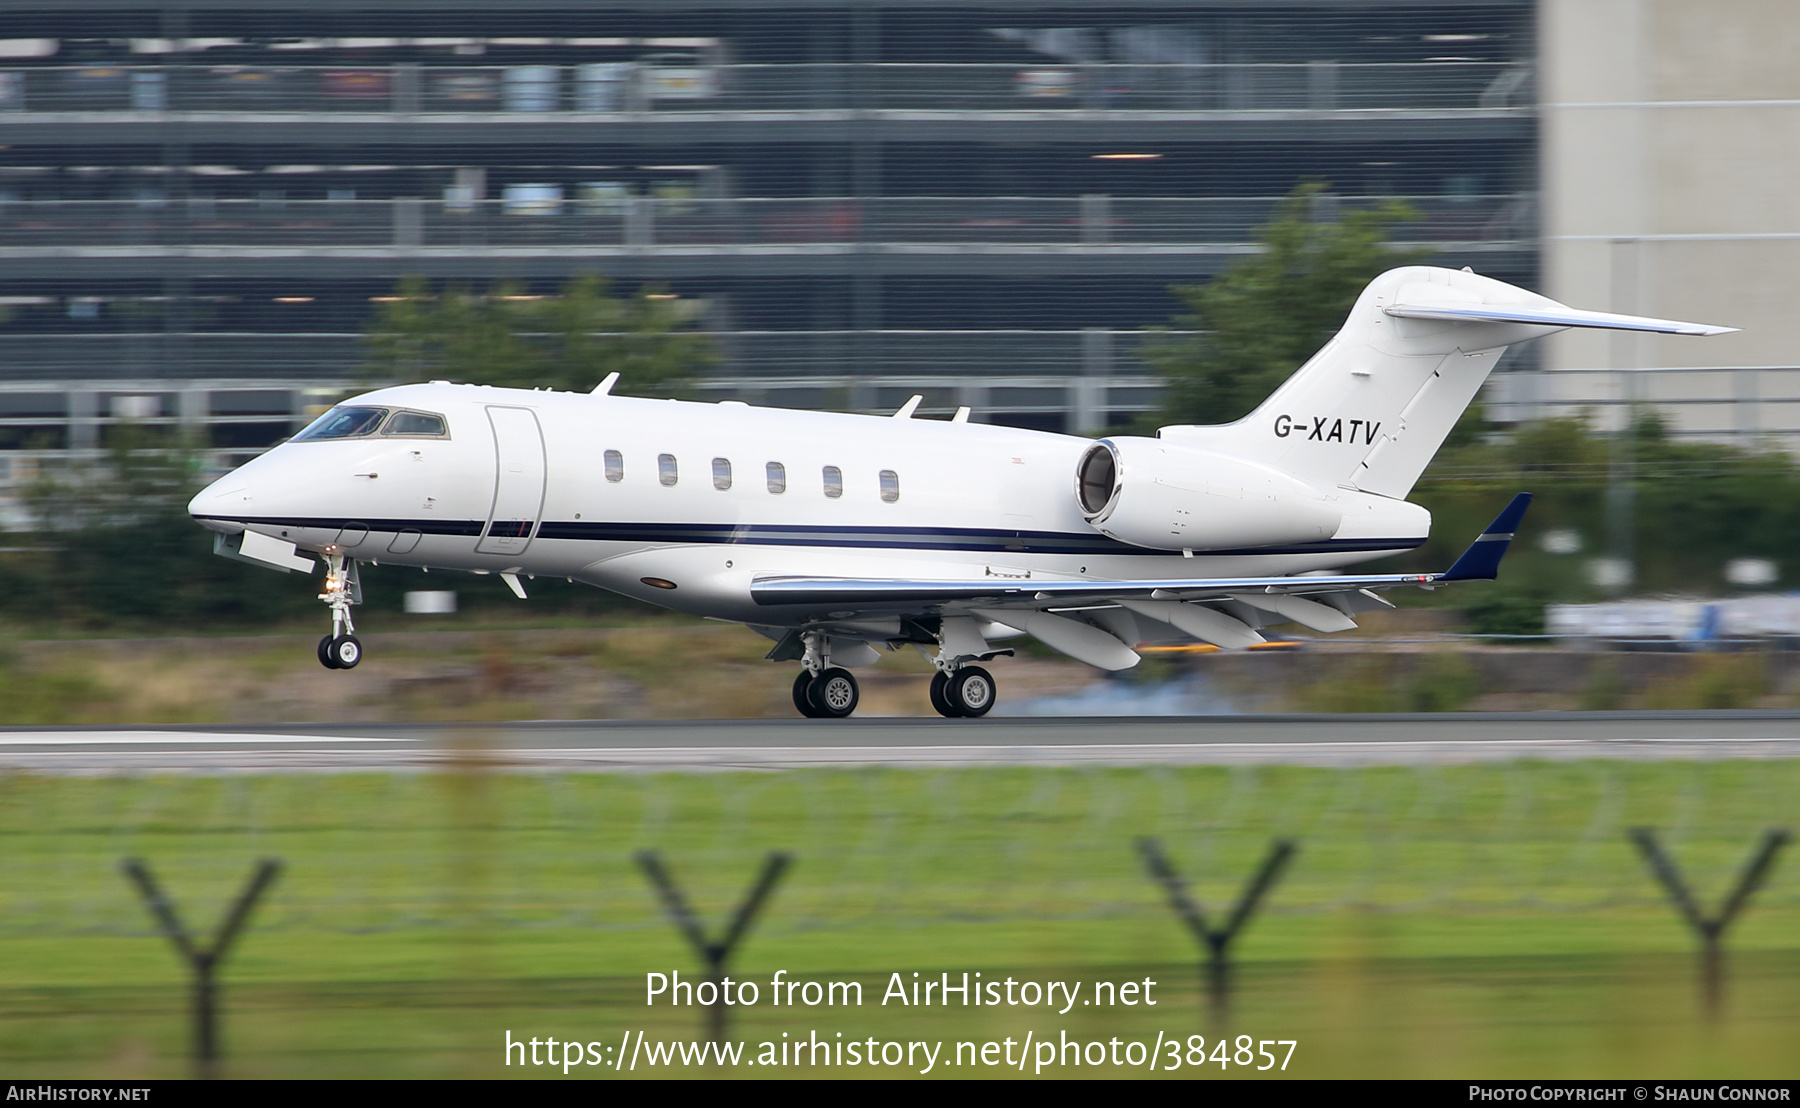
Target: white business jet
840,536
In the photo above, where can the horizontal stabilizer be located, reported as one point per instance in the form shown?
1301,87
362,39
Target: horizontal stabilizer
1557,316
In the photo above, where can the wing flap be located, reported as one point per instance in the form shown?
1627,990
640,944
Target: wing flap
1307,613
1202,623
1081,641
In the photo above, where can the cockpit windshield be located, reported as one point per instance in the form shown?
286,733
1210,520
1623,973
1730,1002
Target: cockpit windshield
413,424
343,423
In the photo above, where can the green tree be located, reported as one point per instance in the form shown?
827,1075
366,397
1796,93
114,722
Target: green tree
505,337
111,543
1698,506
1258,321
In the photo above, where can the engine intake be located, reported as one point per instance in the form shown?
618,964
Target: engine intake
1165,496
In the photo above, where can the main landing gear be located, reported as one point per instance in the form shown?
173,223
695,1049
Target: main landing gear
967,691
343,587
825,691
831,695
822,690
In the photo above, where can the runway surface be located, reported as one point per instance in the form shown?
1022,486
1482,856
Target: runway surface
1361,740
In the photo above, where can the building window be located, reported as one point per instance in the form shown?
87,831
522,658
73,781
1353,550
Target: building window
615,466
721,473
834,482
777,477
665,469
890,485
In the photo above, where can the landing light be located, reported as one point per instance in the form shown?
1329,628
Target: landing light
657,582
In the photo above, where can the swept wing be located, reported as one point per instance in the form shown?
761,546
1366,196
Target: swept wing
1480,562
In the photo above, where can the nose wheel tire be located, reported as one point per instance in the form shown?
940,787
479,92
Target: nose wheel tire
341,652
970,690
834,693
803,695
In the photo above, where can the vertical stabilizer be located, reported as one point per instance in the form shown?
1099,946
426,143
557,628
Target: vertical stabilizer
1370,409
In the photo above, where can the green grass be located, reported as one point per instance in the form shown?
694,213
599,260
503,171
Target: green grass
1454,920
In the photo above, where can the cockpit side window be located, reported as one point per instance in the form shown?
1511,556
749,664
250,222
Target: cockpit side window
416,425
343,423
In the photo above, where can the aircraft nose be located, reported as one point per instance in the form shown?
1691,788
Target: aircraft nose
217,504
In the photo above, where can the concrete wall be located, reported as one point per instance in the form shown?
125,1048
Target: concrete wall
1671,187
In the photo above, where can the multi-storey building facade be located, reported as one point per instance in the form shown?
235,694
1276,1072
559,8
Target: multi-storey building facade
201,202
1668,169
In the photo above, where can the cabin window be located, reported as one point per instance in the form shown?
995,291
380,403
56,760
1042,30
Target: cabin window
343,423
777,477
665,469
615,466
834,482
890,485
416,425
721,473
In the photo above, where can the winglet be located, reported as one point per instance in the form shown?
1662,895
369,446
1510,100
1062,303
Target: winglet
1481,562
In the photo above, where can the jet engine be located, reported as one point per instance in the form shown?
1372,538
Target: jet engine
1166,496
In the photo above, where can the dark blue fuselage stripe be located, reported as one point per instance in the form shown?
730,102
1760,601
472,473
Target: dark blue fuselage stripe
899,538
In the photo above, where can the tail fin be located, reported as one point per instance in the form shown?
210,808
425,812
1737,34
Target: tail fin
1370,409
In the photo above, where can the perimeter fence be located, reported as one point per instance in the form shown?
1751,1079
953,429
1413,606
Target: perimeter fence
902,851
1433,920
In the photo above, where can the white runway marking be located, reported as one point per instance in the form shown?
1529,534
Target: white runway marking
1373,753
774,745
174,738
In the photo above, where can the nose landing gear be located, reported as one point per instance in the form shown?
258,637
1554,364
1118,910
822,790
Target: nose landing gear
343,587
340,651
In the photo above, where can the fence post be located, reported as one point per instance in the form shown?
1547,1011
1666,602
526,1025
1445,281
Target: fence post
204,963
1710,929
1217,943
714,953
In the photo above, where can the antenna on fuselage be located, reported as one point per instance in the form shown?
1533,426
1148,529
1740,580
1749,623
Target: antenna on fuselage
961,416
908,408
604,388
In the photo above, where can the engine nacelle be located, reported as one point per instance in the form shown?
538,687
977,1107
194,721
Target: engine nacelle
1166,496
